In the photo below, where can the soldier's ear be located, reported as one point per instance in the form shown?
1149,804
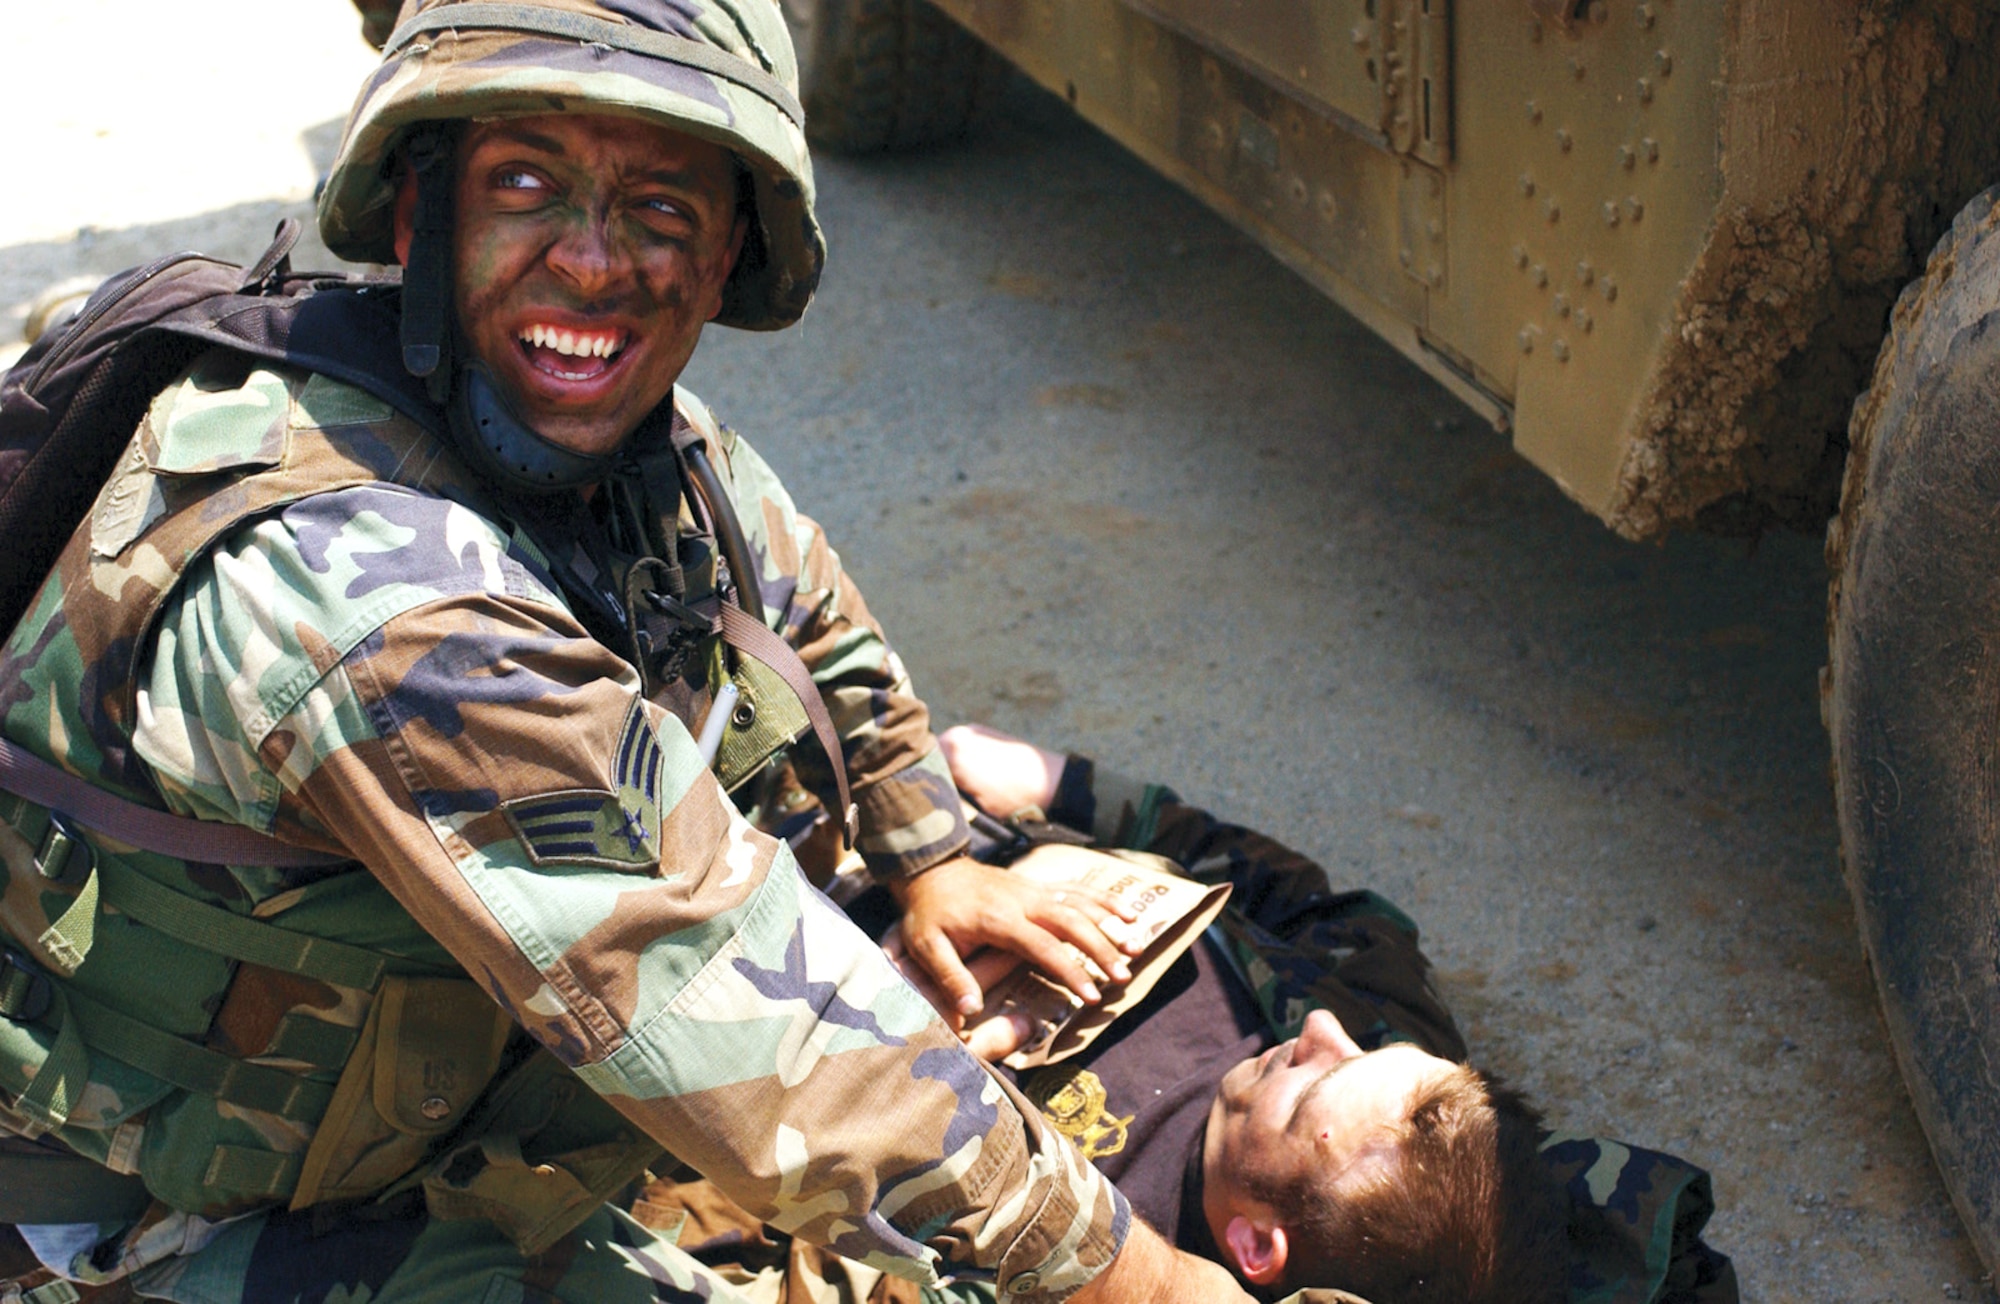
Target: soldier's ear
738,233
405,213
1258,1252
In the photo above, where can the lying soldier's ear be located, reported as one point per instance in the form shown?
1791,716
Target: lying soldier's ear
1257,1252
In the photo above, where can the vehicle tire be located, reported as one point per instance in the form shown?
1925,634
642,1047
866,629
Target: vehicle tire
1912,699
888,74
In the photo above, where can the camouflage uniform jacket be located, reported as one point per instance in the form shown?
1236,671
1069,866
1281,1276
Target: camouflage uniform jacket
292,610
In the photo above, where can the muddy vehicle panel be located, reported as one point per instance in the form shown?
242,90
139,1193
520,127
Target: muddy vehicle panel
1659,242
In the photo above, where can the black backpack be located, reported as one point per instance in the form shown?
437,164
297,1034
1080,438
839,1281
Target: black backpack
70,405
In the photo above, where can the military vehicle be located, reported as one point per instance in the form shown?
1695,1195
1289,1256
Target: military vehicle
1662,243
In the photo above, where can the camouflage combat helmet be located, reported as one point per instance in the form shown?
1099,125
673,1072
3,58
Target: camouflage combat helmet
720,70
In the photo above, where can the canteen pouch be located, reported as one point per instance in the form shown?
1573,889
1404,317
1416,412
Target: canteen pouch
542,1154
426,1054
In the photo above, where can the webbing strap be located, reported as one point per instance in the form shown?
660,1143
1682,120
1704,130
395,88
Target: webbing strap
313,1041
600,31
59,1079
219,932
189,1066
68,940
208,841
253,1172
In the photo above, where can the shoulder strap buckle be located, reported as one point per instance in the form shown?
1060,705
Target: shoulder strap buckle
63,856
25,991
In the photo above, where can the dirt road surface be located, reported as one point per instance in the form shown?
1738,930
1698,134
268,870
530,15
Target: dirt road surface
1115,480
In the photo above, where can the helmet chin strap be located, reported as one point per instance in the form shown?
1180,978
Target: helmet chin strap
427,271
487,431
506,448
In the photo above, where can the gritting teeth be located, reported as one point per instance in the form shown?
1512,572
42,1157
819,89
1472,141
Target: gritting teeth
571,344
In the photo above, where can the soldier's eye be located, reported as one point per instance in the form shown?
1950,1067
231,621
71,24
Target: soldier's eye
519,179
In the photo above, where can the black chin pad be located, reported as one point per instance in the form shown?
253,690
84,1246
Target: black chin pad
500,444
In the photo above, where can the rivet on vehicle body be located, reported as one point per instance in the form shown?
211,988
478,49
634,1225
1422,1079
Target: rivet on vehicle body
1576,68
1527,184
1645,90
1584,321
1527,339
1521,257
1406,256
1299,191
1436,230
1626,158
1214,134
1645,14
1663,61
1585,273
434,1108
1541,276
1611,212
1563,140
1651,148
1435,275
1561,305
1361,36
1535,30
1610,290
1561,349
1633,208
1554,212
1534,114
1328,207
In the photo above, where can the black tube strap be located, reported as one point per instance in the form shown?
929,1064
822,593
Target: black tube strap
665,46
207,841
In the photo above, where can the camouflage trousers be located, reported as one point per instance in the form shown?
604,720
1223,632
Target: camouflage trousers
394,1254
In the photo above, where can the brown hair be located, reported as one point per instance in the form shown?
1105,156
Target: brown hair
1466,1213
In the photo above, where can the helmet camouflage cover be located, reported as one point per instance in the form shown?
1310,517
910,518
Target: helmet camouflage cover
719,70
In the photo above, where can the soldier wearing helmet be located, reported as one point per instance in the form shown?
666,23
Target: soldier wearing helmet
490,639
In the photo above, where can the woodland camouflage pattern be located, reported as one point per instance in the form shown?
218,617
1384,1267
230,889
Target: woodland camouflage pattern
470,72
1636,1214
292,609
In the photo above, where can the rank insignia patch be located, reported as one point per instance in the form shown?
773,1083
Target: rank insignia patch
589,826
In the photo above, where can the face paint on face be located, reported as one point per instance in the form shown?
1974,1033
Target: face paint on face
589,252
1316,1101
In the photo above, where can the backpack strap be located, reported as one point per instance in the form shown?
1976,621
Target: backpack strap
208,841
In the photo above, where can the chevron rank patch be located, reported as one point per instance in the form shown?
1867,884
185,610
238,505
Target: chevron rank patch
588,826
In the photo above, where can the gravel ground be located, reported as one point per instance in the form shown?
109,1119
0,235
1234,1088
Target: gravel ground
1117,481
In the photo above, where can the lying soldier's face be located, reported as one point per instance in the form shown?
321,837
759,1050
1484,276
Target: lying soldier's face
1316,1103
589,252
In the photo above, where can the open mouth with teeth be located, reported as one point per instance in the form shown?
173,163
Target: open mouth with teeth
572,354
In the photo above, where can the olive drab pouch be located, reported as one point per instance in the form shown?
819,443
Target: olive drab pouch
427,1053
544,1152
767,715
